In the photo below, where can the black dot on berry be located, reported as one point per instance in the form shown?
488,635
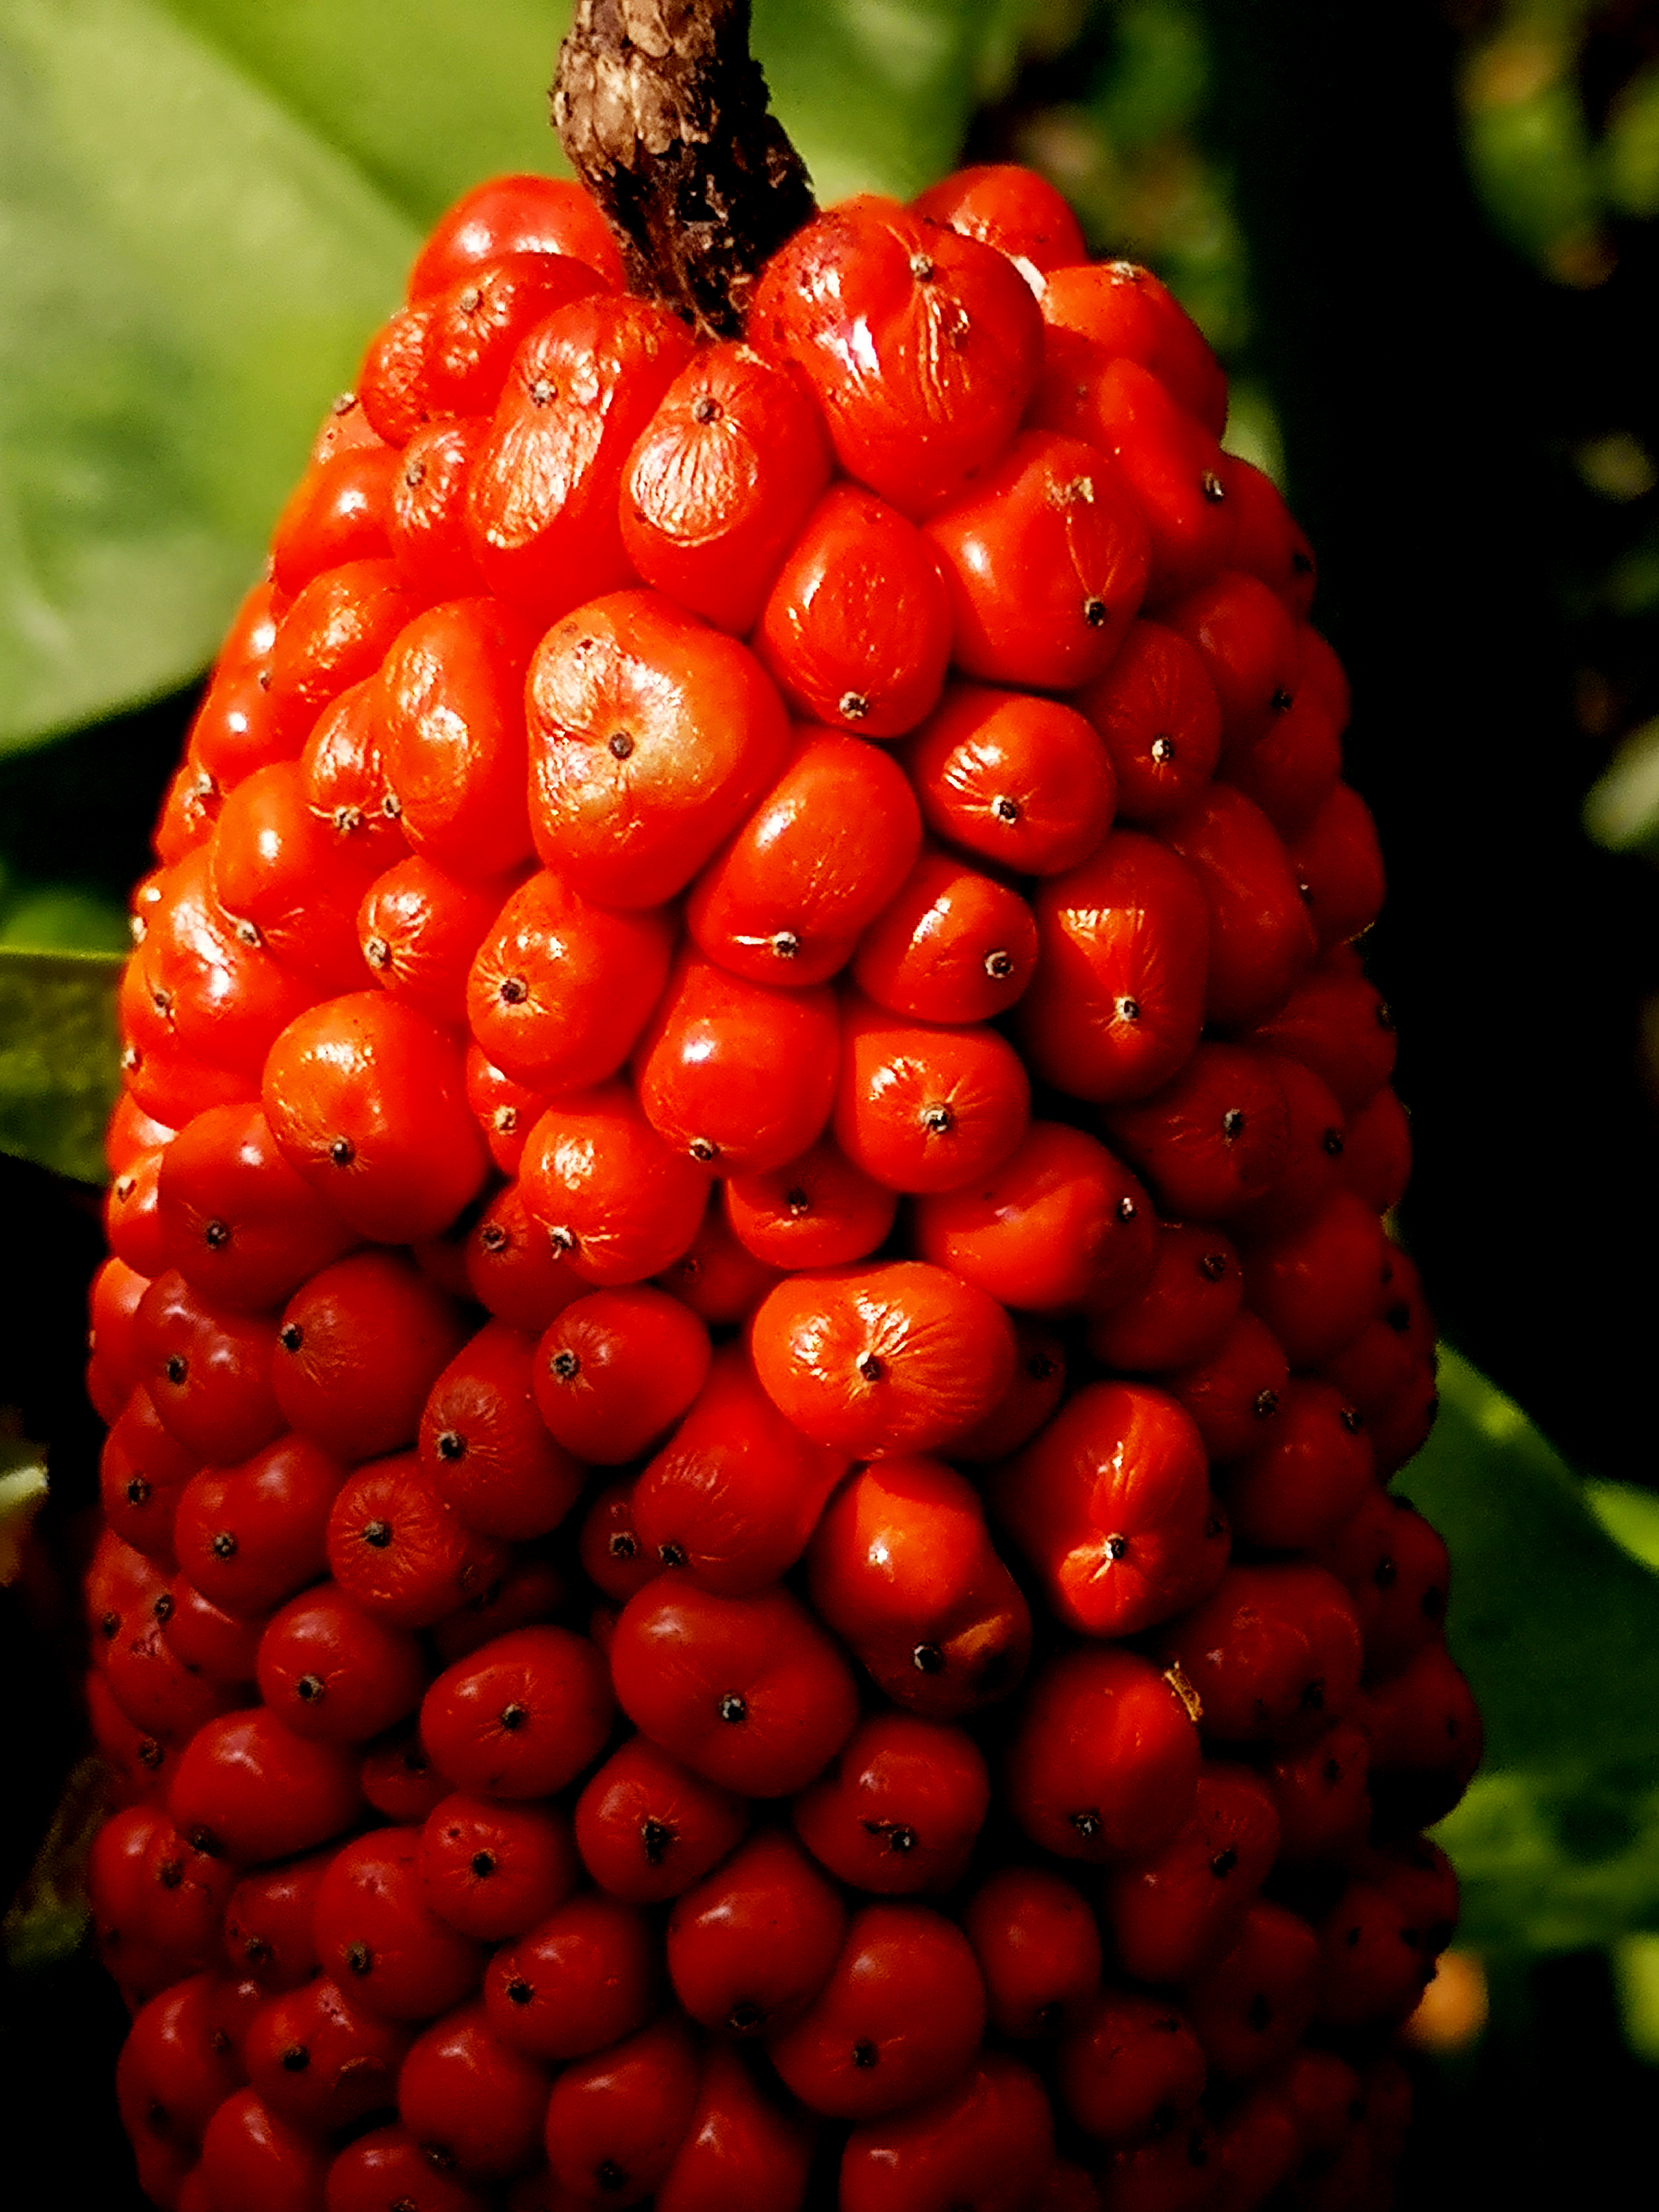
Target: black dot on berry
1334,1143
1232,1124
216,1235
1127,1209
176,1367
745,2017
514,1717
1212,488
440,2160
1258,2011
671,1554
377,952
415,473
610,2176
870,1368
138,1491
1114,1546
1352,1420
706,409
796,1201
937,1120
732,1709
864,2054
703,1149
566,1365
1265,1404
1005,809
291,1337
561,1240
513,991
999,964
342,1151
518,1991
902,1840
377,1533
484,1864
1095,613
1127,1010
1212,1266
1039,1367
156,2116
1385,1574
1313,1695
620,744
655,1837
1280,701
295,2059
1163,751
624,1545
359,1958
1331,1772
149,1754
110,1623
928,1659
1224,1862
309,1688
450,1444
170,1873
257,1951
540,392
224,1546
494,1237
1048,2017
1087,1825
853,706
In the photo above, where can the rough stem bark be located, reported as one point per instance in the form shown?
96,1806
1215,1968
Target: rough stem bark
665,117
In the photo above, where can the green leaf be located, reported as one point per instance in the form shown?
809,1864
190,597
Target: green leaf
59,1060
1621,809
876,93
186,273
1557,1627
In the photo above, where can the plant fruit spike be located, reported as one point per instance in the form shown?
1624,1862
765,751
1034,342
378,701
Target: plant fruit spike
751,1349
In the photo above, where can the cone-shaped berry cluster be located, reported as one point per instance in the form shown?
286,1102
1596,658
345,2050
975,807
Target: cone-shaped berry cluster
752,1355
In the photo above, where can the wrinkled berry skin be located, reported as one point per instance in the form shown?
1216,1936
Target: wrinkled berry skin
752,1351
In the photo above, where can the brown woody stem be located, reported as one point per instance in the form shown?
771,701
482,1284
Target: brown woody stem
663,115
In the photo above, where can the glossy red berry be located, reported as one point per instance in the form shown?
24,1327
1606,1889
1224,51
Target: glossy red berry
751,1945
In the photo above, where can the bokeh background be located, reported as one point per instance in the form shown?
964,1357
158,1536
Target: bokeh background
1424,240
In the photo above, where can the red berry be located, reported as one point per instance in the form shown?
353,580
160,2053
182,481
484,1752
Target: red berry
1104,1762
1038,1948
991,2133
387,1949
753,1944
493,1870
720,480
520,1717
899,2018
755,1697
921,344
874,1361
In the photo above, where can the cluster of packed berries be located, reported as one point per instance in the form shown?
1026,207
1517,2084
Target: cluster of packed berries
751,1356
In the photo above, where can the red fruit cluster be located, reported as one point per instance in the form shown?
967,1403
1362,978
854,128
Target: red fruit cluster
751,1353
